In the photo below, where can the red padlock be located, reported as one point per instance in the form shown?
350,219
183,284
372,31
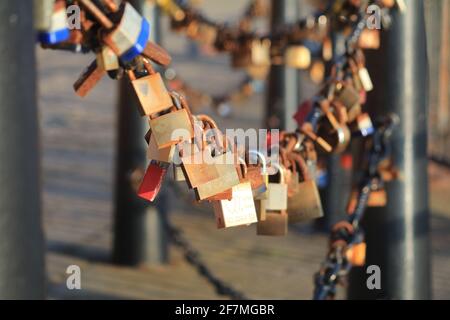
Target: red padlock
302,112
152,181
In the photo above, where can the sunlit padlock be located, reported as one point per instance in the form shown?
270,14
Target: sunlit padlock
305,203
57,29
257,174
89,79
163,154
277,192
152,181
240,210
298,57
225,164
151,91
129,38
175,126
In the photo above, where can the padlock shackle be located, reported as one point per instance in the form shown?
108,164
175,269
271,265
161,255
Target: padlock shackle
261,157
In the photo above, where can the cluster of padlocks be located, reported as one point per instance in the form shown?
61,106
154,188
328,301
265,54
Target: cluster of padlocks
243,186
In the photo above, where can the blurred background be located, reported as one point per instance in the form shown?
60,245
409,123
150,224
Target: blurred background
78,148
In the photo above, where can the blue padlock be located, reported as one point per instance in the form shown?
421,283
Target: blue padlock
130,37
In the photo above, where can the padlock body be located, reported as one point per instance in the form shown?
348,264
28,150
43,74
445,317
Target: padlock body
130,37
238,211
152,181
57,31
166,126
298,57
305,204
277,197
107,59
152,94
163,155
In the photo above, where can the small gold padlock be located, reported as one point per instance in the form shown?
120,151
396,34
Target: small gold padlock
151,91
277,198
275,224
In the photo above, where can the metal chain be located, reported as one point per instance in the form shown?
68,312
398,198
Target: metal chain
348,233
193,256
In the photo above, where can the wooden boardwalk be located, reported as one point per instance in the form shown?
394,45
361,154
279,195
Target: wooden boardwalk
78,163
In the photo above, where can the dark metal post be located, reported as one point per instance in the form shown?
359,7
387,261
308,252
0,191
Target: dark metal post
139,236
282,99
22,274
398,235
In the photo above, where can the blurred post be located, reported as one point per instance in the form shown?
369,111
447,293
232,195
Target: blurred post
398,235
282,99
139,234
22,274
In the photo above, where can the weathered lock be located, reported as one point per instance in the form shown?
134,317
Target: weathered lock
298,57
56,29
107,59
275,224
129,38
151,91
277,192
225,164
88,79
305,203
152,181
163,155
258,175
347,95
175,126
238,211
336,134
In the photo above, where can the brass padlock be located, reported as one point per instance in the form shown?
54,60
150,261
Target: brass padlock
277,192
275,224
175,126
305,203
225,164
151,91
238,211
298,57
336,134
260,210
356,254
347,95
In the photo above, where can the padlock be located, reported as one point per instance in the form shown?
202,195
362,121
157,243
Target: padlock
163,154
152,181
275,224
151,91
238,211
57,29
305,203
336,134
370,39
298,57
317,71
347,95
107,59
258,175
362,72
196,160
277,198
175,126
88,79
129,38
225,164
